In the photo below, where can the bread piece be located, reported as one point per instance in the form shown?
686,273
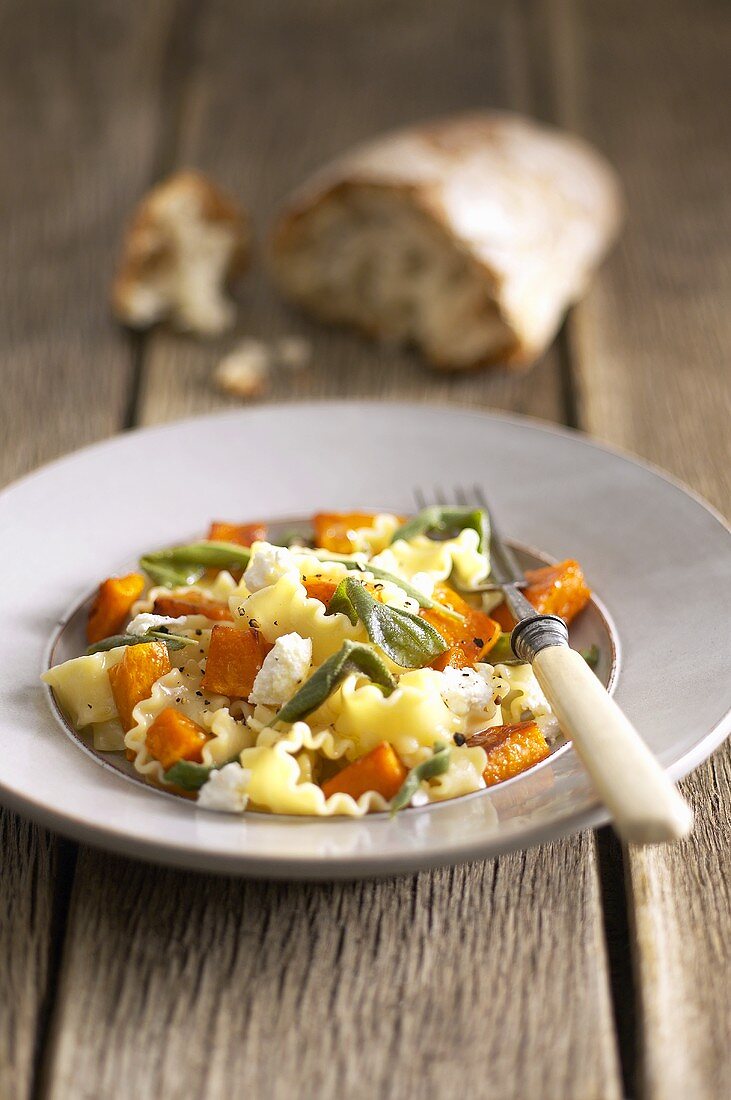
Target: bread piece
468,236
245,371
186,241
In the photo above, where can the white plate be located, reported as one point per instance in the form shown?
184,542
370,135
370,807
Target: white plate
659,559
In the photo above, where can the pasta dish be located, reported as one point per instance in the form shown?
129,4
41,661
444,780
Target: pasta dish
362,666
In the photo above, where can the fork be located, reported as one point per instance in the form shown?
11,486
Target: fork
646,808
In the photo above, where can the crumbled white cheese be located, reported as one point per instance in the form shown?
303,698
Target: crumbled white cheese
225,789
424,582
283,670
144,622
465,691
267,565
419,798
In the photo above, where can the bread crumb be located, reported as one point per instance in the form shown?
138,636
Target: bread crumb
186,242
245,371
293,352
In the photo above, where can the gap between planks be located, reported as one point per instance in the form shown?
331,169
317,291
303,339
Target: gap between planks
545,926
651,378
510,394
80,112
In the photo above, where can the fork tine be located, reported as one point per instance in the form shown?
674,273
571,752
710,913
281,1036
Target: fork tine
504,567
479,496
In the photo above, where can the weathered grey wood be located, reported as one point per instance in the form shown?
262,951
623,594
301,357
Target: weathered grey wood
394,989
79,116
179,384
78,111
649,345
294,85
492,976
27,874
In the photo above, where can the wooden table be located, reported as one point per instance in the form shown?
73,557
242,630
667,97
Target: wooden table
575,970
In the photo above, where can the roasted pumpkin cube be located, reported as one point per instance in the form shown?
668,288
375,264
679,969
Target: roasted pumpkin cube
112,605
334,530
558,589
320,590
132,679
445,594
173,736
553,590
175,606
244,534
379,770
514,749
469,639
476,646
234,659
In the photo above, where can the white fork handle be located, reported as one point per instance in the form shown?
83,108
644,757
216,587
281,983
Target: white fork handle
645,806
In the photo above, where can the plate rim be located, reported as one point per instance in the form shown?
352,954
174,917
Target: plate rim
521,419
359,865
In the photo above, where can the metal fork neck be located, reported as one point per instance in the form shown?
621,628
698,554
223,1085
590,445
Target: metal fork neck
518,604
537,632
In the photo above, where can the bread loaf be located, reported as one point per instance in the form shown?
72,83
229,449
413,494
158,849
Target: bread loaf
467,237
186,242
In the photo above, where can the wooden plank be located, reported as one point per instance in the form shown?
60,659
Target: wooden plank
331,75
79,111
394,989
78,120
491,975
650,84
179,381
28,864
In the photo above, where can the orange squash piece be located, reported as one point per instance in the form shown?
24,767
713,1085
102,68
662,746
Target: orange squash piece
173,736
133,677
553,590
243,534
112,605
325,590
379,770
519,747
468,641
333,530
320,590
234,659
175,606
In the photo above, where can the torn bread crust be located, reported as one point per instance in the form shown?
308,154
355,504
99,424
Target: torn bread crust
468,237
245,371
187,241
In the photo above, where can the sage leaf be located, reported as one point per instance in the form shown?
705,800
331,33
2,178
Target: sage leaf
341,602
186,564
502,652
407,639
292,539
445,521
188,775
384,575
170,576
428,769
591,656
351,657
172,641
